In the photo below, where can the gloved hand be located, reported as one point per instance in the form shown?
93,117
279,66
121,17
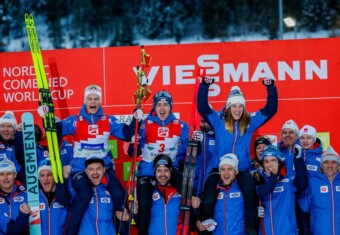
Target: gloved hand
134,138
138,114
268,82
42,110
209,224
297,151
197,136
207,80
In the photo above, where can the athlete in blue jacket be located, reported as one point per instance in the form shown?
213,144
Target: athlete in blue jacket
229,208
234,130
312,149
91,130
277,195
160,133
14,211
322,197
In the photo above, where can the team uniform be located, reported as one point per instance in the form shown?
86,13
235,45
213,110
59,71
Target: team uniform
229,210
164,213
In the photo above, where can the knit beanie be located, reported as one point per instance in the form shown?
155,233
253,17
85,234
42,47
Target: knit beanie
330,155
7,165
9,117
230,159
290,124
235,97
308,130
93,89
44,164
271,150
162,95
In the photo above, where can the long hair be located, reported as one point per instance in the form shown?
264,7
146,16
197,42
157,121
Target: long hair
230,122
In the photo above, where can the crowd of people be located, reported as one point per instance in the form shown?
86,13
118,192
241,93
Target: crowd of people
289,187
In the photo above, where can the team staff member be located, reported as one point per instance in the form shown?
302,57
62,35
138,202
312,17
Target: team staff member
322,197
234,129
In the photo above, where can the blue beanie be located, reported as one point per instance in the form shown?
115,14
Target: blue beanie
162,95
271,150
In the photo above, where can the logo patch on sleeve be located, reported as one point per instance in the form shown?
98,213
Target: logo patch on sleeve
57,205
312,168
324,189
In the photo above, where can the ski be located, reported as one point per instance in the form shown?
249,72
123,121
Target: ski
189,169
31,168
45,99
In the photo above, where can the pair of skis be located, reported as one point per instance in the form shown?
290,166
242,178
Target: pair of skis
189,168
45,99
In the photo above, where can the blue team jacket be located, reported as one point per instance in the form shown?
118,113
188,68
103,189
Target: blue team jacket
322,199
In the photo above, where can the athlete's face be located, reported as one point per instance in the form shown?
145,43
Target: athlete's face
236,111
163,175
7,181
227,174
95,171
47,181
289,137
162,110
92,103
271,164
330,168
307,142
7,131
259,149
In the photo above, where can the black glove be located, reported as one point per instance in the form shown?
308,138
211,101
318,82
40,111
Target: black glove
206,80
297,151
268,82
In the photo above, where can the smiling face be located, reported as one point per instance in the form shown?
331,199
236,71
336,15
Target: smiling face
46,181
307,142
95,171
162,110
7,181
163,175
227,174
7,131
271,164
92,103
236,111
330,168
289,137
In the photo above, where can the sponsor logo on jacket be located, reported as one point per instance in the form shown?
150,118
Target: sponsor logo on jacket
337,188
163,131
41,206
18,199
57,205
278,189
220,195
233,195
324,189
155,196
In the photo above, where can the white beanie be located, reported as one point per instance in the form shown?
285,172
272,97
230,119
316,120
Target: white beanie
330,155
7,165
44,164
230,159
290,124
235,97
9,117
93,89
308,130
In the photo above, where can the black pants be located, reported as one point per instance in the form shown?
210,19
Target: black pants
145,188
247,186
83,187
